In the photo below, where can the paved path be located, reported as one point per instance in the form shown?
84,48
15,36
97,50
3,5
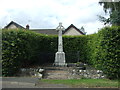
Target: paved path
27,82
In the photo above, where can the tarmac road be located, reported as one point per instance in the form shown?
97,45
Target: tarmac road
27,82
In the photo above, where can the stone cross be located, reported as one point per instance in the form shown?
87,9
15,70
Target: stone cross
60,28
60,55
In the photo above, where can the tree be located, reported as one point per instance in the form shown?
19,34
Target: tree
113,8
83,30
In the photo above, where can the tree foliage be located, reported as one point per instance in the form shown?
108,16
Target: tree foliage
113,8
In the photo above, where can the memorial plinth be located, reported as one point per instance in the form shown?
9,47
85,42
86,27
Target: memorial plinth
60,55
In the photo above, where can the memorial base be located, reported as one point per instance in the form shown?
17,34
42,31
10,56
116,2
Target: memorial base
60,59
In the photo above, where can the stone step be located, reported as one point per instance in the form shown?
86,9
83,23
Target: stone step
56,74
56,71
58,68
57,77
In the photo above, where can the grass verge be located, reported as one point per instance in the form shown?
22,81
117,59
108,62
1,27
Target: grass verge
85,83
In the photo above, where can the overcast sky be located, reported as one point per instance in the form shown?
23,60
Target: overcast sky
48,13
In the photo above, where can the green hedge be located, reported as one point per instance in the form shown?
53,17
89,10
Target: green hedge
17,50
23,48
74,47
106,51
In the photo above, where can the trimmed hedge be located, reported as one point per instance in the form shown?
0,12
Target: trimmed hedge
17,50
75,47
23,48
106,51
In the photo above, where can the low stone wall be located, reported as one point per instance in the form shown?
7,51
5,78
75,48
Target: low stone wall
77,73
31,72
74,72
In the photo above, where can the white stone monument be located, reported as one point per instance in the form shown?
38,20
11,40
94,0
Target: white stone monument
60,55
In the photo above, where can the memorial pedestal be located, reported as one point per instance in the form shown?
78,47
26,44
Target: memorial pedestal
60,59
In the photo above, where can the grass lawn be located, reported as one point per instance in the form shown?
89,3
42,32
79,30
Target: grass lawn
85,83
